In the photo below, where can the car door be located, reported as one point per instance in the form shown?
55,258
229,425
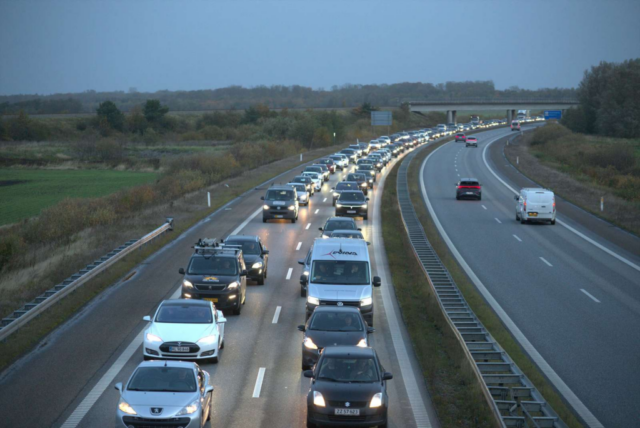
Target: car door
265,254
243,278
205,399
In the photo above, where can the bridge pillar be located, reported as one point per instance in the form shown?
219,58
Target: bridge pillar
509,116
452,116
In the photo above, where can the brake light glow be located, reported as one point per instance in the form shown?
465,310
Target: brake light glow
468,187
525,205
554,205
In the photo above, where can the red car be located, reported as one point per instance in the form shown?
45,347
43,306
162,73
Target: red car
461,137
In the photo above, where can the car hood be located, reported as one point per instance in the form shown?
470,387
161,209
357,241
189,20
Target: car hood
322,339
250,259
182,332
343,391
339,292
212,279
170,402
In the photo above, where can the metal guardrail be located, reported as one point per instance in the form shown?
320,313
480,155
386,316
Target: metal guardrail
516,401
22,316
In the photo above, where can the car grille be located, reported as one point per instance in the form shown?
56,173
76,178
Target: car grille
153,423
334,303
208,287
344,418
193,348
352,404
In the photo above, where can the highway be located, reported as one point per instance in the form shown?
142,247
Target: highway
68,380
574,294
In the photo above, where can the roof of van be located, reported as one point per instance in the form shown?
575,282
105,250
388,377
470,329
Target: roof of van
340,249
535,189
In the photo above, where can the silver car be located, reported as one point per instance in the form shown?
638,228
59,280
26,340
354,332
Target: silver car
171,393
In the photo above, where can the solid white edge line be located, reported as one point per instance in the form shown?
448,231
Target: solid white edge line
560,222
515,236
542,364
307,228
276,315
244,223
299,245
259,380
546,262
589,294
289,272
409,376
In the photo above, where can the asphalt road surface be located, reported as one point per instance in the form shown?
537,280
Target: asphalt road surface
574,294
68,381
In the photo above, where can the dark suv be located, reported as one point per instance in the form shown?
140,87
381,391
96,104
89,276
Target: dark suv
256,255
468,188
342,186
352,203
216,273
359,178
280,202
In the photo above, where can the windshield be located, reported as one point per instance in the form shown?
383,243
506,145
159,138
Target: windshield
365,167
248,247
348,370
335,321
184,314
279,195
313,175
212,266
346,186
351,196
339,224
163,379
340,272
356,177
347,235
302,179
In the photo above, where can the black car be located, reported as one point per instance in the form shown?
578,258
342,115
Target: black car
256,255
332,326
337,223
352,203
280,202
369,171
342,186
216,273
348,234
468,188
348,387
377,161
306,263
359,178
307,181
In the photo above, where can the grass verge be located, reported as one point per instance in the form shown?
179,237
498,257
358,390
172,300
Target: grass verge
475,300
454,389
30,335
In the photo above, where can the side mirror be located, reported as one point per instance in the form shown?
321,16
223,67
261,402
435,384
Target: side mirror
146,318
221,319
368,243
370,330
262,198
377,282
516,197
308,373
302,328
301,262
360,229
303,280
265,252
208,389
244,273
367,199
118,387
320,229
387,376
181,271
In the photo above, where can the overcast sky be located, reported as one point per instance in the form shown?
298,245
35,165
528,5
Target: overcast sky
54,46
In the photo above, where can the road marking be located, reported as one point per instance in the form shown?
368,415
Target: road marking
244,223
484,207
299,245
496,219
562,223
544,260
307,228
316,212
516,236
546,369
324,200
589,294
276,315
289,273
258,387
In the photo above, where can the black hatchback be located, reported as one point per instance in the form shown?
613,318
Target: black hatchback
348,388
359,178
468,188
256,255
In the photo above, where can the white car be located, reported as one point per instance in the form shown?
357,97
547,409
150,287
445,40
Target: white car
302,192
184,329
341,160
317,179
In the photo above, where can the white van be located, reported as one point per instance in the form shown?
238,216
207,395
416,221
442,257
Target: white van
340,274
535,204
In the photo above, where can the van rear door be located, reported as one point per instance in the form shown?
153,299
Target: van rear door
540,202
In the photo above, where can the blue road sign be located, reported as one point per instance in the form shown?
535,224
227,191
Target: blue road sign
552,114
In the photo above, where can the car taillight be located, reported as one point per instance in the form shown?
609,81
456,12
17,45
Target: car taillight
554,205
525,205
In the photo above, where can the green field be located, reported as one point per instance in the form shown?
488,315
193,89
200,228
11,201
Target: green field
24,192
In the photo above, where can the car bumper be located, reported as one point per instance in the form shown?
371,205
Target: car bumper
256,273
221,299
351,212
310,356
277,214
152,350
540,217
468,195
188,421
326,417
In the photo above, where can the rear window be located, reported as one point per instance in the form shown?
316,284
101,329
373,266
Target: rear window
469,183
351,196
248,247
346,186
539,197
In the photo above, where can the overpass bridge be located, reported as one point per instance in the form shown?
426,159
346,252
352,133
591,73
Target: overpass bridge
511,106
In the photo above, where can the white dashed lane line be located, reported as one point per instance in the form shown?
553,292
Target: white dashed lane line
308,225
496,219
259,380
276,315
484,207
589,294
546,262
324,200
299,245
289,272
316,211
515,236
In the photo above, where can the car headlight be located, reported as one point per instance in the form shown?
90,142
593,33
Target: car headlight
187,284
318,399
365,206
126,408
208,340
364,184
372,172
256,265
232,286
313,300
153,338
305,273
191,408
292,207
366,301
308,343
303,196
376,401
335,195
362,343
338,205
266,207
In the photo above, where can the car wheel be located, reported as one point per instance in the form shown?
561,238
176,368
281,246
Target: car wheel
261,280
553,221
146,358
210,401
310,424
522,220
264,220
480,197
457,198
293,220
365,217
237,310
305,367
303,292
517,217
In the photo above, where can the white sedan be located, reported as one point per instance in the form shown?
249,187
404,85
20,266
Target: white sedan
316,178
184,329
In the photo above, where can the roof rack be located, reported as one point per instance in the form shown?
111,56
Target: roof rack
213,246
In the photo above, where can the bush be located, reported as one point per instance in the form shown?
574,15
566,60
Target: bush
154,111
108,150
23,128
551,132
108,113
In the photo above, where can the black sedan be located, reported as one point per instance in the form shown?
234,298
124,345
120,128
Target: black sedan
352,203
369,171
332,326
348,388
256,255
341,187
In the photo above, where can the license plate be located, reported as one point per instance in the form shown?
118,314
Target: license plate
348,412
211,299
351,211
469,193
178,349
533,214
278,216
